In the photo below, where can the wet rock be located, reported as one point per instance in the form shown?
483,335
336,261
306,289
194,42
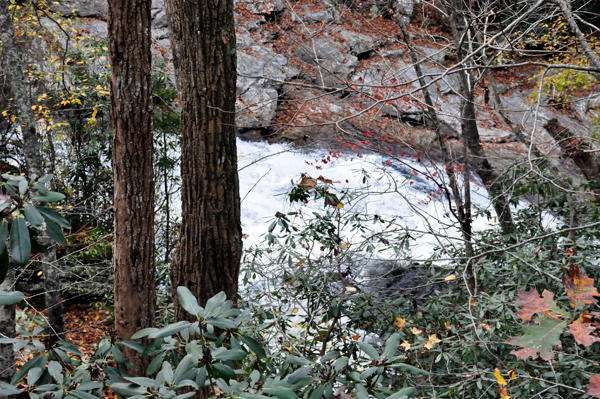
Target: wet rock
397,279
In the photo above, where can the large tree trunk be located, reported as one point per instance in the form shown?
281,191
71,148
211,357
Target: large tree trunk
207,259
35,165
131,99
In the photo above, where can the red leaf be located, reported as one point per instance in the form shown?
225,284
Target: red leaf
533,303
593,388
582,329
580,288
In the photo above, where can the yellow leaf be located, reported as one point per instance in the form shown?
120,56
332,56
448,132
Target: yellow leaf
400,322
340,205
345,244
512,374
301,262
288,347
360,369
504,393
415,330
294,310
40,273
450,277
94,113
448,325
355,337
405,345
433,339
499,377
350,288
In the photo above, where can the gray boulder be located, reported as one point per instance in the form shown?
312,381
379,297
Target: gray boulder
261,72
262,67
357,44
256,108
326,55
82,8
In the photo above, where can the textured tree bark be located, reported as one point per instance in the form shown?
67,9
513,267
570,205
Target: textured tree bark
490,177
132,108
35,165
207,258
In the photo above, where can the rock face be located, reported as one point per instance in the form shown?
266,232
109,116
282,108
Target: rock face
261,72
82,8
325,55
341,67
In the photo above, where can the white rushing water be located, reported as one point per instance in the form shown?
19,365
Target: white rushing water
400,193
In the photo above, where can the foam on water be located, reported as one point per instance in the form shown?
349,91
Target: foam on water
399,192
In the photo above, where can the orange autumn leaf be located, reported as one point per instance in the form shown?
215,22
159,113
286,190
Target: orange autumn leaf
580,288
307,183
532,303
324,180
582,330
400,322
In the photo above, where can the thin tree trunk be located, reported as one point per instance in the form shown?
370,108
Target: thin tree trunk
35,164
7,330
470,133
463,210
207,258
565,7
132,108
